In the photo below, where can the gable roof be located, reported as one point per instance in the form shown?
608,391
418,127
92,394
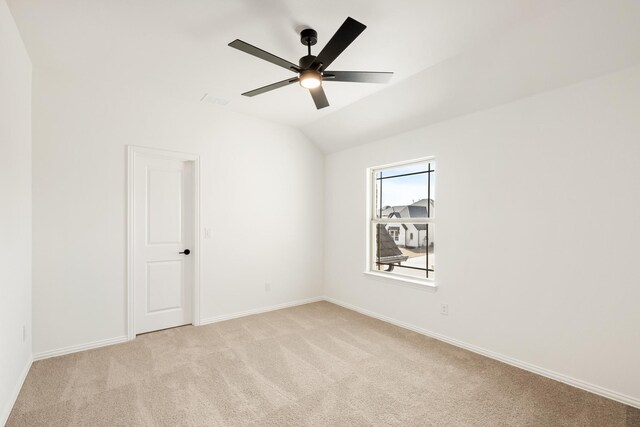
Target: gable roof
416,211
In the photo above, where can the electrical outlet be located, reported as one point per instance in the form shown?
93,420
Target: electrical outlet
444,309
267,287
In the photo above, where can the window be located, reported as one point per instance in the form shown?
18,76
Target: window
401,216
394,232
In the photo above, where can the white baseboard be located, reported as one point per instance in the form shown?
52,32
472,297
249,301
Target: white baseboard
121,339
592,388
4,416
79,347
235,315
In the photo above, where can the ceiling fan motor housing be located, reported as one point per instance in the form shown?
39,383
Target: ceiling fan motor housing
306,61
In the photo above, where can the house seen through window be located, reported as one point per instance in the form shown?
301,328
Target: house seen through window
402,219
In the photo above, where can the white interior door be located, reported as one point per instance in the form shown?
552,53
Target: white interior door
163,232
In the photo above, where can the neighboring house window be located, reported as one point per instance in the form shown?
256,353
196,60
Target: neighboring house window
394,232
402,219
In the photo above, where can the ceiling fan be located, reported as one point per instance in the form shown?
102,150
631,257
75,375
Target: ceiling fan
311,69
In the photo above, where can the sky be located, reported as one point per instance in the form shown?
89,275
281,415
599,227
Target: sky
408,189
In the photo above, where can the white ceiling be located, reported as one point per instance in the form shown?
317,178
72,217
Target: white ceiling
578,40
179,49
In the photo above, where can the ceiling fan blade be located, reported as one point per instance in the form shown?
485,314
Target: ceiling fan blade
357,76
319,97
345,35
257,52
272,86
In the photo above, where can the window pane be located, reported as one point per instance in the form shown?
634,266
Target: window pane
405,249
405,191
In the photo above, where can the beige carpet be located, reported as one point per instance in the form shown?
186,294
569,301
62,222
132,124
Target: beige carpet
317,364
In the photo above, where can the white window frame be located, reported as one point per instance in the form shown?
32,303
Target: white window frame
371,221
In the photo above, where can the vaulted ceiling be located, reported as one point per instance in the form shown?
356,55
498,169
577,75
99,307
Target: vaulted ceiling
449,57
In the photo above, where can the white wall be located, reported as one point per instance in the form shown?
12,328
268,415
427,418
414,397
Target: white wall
15,211
538,231
261,193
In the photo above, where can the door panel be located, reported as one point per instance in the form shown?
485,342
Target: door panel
164,206
163,227
165,286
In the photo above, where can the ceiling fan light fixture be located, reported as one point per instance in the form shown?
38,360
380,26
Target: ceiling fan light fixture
310,79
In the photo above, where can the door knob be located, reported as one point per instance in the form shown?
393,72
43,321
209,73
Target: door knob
186,252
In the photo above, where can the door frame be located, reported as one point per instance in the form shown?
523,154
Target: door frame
132,152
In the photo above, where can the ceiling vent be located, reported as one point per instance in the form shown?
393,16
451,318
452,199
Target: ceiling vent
213,100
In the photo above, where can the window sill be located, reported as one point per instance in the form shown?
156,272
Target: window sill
424,284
